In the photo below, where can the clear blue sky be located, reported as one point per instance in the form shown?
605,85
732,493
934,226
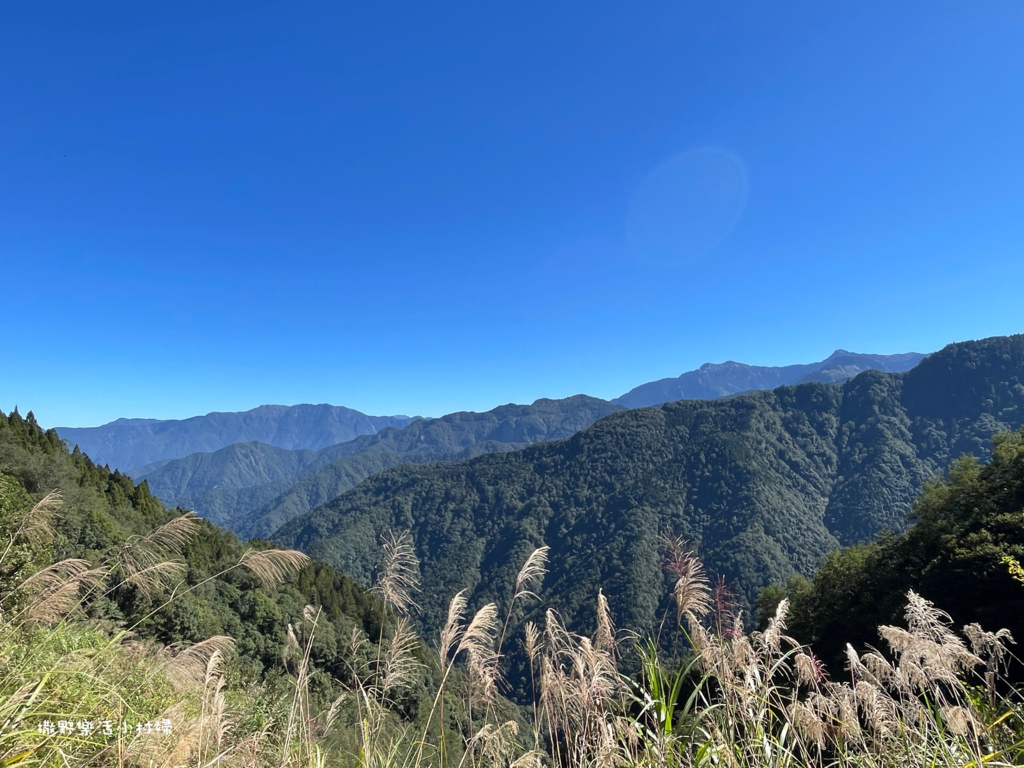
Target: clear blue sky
428,207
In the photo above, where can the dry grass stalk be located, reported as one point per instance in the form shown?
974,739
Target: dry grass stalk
57,589
533,570
36,527
188,667
692,592
400,665
398,578
273,566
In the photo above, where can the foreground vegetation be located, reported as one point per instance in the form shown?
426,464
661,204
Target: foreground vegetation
74,692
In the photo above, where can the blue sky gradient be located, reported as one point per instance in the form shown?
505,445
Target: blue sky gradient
409,208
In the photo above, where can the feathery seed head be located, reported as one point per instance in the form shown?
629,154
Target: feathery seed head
533,570
605,637
273,566
532,640
398,577
452,626
37,525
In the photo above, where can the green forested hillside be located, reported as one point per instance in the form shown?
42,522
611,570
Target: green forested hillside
764,484
103,512
253,488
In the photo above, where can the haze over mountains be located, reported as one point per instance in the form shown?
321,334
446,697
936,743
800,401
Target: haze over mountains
763,483
253,488
129,444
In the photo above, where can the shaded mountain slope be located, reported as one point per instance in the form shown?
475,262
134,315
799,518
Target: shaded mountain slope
253,488
764,483
131,444
714,380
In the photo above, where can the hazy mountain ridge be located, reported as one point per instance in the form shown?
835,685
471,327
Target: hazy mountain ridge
132,444
765,483
253,488
715,380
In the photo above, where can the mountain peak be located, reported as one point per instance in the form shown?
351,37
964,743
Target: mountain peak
715,380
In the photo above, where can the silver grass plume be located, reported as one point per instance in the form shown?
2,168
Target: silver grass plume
452,627
398,578
273,566
533,570
532,641
497,742
56,589
147,562
400,664
291,649
531,759
558,639
478,642
334,710
931,656
692,592
771,639
152,578
479,635
187,667
605,638
36,526
809,670
357,643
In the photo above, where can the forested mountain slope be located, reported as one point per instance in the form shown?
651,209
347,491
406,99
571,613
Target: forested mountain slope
105,517
131,444
714,380
966,524
253,488
764,484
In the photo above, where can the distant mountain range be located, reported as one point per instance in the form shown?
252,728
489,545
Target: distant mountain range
714,380
130,444
140,446
255,470
764,484
254,488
